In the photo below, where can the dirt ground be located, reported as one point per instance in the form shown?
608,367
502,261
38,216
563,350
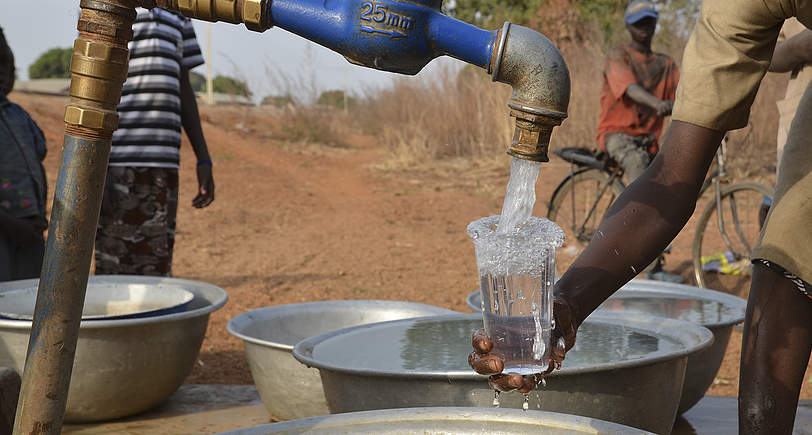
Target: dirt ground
304,222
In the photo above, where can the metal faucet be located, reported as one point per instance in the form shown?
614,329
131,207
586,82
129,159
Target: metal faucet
403,36
392,35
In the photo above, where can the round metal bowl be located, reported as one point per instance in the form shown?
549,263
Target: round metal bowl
124,366
288,389
627,369
104,302
717,311
445,421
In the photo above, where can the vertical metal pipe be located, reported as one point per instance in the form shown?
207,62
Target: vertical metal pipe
99,68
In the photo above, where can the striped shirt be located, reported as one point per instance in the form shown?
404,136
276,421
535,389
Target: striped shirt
149,128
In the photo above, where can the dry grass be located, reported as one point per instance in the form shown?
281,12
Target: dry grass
464,117
456,115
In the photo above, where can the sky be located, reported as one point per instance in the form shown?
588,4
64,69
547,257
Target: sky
270,62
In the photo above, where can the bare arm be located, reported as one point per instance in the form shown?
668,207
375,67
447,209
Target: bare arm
642,96
792,53
642,221
190,118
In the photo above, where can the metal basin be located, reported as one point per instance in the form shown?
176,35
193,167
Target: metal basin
626,369
124,366
104,302
717,311
445,421
288,389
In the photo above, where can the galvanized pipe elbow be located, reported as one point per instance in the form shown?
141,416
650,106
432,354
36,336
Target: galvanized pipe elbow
533,66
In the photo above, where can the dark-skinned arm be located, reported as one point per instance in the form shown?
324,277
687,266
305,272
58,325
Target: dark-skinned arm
641,96
641,222
190,117
792,53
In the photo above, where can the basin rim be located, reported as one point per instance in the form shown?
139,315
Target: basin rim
674,329
640,285
213,304
234,328
341,421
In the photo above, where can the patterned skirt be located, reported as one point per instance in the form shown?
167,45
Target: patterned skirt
136,233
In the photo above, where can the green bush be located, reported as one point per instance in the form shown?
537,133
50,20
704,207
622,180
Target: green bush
278,101
54,63
198,81
230,85
334,99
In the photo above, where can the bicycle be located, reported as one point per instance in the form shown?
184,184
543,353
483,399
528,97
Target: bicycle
581,200
599,181
734,209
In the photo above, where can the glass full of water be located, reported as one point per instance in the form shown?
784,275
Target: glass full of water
516,273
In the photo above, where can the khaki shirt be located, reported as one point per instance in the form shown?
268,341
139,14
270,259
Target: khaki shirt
795,88
727,56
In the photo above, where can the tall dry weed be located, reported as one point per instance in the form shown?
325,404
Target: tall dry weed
455,115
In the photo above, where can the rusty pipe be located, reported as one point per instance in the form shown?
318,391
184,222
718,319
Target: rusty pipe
98,70
533,66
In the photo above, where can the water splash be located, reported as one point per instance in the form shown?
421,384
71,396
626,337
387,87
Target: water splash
495,398
525,401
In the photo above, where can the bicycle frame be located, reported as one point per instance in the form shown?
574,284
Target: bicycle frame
717,180
613,176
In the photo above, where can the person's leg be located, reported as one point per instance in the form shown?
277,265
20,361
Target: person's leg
775,352
6,258
158,193
113,234
28,259
171,214
629,153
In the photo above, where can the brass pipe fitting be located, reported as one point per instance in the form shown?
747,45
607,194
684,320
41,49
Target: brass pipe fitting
533,66
254,13
99,66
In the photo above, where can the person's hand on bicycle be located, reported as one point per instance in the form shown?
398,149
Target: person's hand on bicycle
561,341
664,107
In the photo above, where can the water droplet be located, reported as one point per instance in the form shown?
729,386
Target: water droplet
526,402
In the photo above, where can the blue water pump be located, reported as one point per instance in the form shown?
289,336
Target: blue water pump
403,36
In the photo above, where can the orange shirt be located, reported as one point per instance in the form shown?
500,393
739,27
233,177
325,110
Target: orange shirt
655,72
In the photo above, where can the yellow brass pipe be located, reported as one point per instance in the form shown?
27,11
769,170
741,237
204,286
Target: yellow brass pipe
254,13
98,70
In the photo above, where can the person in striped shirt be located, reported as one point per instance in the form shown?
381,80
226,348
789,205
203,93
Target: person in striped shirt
137,223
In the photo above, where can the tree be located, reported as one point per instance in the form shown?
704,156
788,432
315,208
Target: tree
230,85
334,99
492,13
198,81
54,63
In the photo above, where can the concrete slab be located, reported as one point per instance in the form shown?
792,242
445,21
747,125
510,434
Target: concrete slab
193,409
719,415
211,409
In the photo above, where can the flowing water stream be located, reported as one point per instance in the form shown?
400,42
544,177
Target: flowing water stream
520,195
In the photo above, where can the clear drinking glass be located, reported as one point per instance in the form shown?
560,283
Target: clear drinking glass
516,273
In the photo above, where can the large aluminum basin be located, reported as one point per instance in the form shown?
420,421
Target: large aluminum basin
288,389
626,369
717,311
124,366
444,421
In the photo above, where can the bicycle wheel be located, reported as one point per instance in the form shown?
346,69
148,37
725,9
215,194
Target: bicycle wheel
580,201
725,236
